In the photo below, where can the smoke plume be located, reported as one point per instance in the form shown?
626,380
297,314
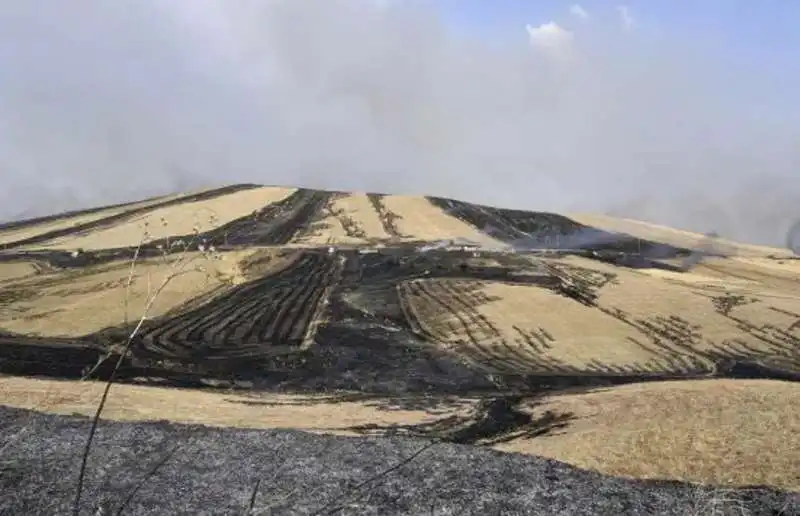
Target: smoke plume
108,101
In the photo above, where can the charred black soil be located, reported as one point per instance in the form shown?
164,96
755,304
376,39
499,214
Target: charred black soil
163,468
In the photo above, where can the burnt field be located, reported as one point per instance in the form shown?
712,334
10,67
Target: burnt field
390,320
549,230
111,219
376,322
274,224
271,315
324,321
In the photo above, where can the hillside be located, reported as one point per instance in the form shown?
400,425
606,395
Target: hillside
614,345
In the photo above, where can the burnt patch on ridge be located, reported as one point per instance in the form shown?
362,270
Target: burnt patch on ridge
543,230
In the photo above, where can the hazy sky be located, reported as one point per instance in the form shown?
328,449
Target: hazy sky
676,112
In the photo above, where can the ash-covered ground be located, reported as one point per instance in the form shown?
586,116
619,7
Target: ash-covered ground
162,468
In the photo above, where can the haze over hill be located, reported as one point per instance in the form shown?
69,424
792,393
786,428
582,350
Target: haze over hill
116,102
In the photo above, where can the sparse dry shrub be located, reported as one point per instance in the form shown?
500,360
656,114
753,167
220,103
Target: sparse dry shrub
184,263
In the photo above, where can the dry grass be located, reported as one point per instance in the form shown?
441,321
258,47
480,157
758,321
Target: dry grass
355,210
421,220
12,271
581,333
74,304
417,220
12,235
722,432
772,277
182,219
312,413
582,336
671,236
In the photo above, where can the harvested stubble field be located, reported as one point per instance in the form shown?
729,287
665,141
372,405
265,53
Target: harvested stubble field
285,308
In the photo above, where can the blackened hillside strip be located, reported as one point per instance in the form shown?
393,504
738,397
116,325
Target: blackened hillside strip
507,224
479,217
546,230
275,223
60,358
126,215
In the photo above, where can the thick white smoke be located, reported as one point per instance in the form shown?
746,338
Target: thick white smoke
109,101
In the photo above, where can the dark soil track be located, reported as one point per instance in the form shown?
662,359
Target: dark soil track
387,217
48,357
274,224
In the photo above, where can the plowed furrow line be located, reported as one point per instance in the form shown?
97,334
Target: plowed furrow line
170,338
279,296
495,356
241,321
245,330
165,339
233,314
283,324
196,332
454,292
470,320
467,316
270,332
408,300
524,353
312,305
274,310
294,326
180,329
422,305
268,307
181,334
254,333
299,311
528,357
472,338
